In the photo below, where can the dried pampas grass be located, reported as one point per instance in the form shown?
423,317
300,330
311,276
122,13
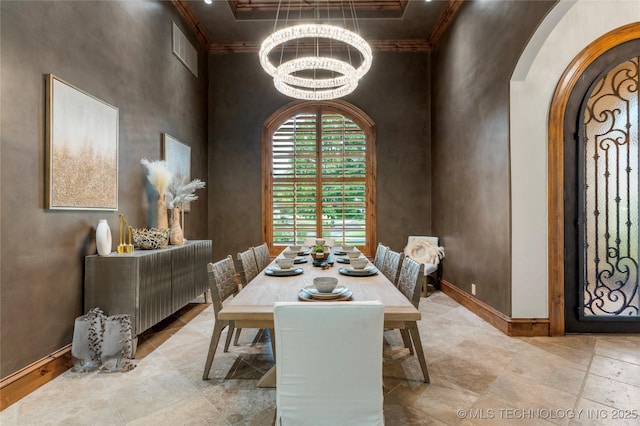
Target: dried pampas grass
181,192
158,174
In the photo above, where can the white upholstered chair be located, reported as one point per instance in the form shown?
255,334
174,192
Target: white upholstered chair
329,363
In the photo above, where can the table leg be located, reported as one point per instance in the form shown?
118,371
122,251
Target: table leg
269,379
417,344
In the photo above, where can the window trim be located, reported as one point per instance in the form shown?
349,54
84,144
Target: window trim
350,111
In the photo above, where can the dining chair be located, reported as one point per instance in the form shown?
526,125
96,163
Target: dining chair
391,265
378,260
410,285
262,255
247,266
329,363
223,283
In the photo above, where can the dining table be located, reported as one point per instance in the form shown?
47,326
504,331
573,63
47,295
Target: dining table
253,306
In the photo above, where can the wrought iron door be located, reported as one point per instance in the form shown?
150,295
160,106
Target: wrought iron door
609,199
607,202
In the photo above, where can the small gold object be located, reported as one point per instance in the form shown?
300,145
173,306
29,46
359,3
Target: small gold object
123,247
130,245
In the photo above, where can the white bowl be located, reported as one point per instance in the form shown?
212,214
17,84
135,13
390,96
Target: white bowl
319,242
346,247
284,262
325,284
359,263
295,248
289,254
353,254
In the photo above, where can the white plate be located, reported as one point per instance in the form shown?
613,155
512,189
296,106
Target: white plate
364,270
314,291
276,268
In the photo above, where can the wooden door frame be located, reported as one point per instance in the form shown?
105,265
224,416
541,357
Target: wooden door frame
555,156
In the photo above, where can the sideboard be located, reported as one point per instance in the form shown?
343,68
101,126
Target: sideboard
148,285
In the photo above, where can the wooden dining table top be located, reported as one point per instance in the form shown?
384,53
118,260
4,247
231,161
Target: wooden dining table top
253,305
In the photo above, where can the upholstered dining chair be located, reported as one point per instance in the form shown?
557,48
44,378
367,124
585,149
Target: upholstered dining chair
378,260
262,255
329,364
410,284
223,284
391,265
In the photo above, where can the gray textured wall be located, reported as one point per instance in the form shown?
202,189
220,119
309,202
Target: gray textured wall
395,94
119,52
472,66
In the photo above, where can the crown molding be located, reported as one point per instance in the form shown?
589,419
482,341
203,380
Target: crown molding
192,22
444,21
416,45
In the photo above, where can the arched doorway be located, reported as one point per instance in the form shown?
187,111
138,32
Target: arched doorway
559,113
601,195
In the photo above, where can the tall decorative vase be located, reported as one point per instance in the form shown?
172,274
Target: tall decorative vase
163,220
176,236
103,238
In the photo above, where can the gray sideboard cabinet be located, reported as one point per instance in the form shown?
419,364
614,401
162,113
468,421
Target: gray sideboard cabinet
148,285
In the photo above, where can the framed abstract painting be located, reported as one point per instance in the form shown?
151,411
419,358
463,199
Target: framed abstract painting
82,149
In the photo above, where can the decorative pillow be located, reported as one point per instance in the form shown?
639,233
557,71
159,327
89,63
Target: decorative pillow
424,251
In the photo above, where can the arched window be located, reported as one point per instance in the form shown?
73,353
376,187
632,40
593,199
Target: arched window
319,175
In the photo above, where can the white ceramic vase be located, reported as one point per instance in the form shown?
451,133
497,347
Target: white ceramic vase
103,238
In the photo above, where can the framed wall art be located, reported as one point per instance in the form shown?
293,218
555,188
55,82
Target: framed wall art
82,149
177,155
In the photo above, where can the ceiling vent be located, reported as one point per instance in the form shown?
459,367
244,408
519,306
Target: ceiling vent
184,50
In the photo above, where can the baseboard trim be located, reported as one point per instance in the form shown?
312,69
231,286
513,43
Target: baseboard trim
21,383
515,327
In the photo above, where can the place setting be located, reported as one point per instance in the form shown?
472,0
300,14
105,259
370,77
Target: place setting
283,268
325,289
359,267
342,251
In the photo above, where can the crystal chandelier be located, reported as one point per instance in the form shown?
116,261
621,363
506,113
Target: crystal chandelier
317,61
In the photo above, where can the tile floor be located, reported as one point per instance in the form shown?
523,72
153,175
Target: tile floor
478,376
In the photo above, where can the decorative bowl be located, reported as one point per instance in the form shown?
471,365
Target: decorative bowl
289,254
353,254
149,239
284,262
325,284
359,263
319,242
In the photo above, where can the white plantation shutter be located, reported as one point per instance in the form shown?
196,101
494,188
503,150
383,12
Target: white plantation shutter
318,180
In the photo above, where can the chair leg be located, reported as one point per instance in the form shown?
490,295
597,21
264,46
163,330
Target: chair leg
215,338
406,339
235,341
227,342
272,337
417,343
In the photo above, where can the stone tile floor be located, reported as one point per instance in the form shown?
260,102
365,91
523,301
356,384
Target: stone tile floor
478,376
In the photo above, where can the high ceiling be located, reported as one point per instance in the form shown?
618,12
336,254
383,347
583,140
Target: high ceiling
241,25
